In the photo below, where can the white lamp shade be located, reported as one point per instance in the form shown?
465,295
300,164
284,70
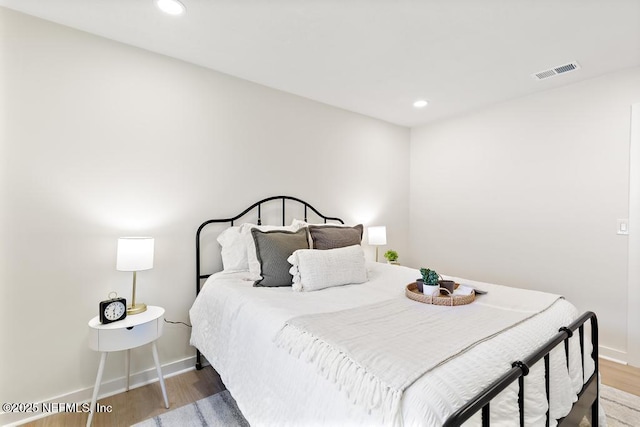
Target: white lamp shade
135,253
377,235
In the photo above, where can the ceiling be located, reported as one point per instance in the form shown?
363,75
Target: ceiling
376,57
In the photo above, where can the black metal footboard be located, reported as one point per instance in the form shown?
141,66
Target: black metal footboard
587,404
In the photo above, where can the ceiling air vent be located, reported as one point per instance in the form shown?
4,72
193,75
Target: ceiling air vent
561,69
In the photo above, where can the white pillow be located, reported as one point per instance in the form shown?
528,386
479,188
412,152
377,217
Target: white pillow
314,269
300,223
239,250
234,250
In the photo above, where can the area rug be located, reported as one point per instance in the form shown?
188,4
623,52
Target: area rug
220,410
622,409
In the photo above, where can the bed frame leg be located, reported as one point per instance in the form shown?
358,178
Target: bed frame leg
198,360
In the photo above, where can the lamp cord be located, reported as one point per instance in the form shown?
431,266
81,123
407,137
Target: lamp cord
174,322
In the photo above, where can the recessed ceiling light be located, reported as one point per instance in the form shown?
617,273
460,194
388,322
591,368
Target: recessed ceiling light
420,103
172,7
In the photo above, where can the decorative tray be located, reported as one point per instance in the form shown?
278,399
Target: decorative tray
413,293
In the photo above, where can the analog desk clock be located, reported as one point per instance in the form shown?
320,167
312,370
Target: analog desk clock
113,309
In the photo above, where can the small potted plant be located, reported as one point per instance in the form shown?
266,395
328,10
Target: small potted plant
391,256
429,284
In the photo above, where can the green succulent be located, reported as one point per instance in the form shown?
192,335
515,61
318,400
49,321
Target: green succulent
429,277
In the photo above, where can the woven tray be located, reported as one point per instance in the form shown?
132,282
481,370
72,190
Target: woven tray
413,293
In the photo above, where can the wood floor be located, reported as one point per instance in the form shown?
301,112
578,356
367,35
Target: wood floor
622,377
146,402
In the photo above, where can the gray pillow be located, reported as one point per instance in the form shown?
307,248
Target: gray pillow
335,236
272,250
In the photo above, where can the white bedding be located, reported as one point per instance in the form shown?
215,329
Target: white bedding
234,325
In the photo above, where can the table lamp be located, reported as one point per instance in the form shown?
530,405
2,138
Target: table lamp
377,237
135,254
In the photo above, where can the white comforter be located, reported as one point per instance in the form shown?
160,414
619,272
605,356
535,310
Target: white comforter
234,325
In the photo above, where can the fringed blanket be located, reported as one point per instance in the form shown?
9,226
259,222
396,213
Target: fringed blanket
374,352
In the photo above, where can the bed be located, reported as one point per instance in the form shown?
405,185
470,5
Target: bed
342,345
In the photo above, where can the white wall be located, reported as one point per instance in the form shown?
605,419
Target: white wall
101,140
527,193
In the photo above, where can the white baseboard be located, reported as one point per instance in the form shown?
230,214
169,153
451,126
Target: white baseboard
107,388
612,354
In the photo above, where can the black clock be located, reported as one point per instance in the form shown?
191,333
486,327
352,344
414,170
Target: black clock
113,309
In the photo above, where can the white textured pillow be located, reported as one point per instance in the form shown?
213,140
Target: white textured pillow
318,269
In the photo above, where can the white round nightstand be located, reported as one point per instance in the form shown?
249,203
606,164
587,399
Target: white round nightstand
133,331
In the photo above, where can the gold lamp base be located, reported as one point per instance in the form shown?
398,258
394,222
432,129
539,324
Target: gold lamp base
136,309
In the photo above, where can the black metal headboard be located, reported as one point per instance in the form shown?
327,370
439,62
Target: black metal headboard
258,207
